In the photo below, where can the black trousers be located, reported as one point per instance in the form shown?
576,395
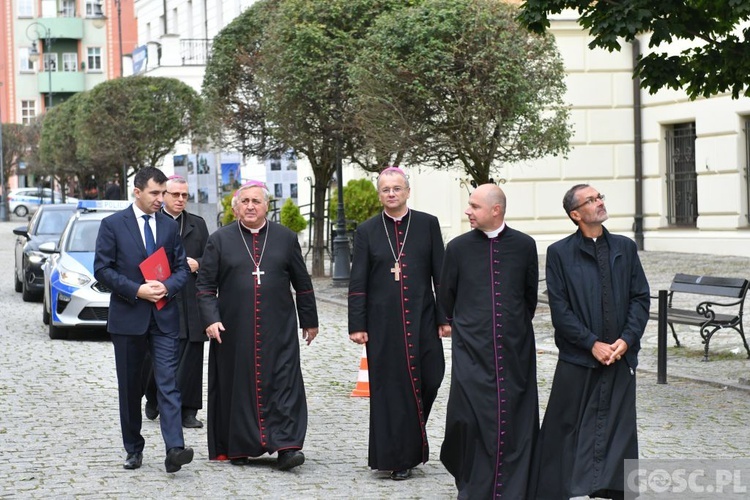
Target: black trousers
189,377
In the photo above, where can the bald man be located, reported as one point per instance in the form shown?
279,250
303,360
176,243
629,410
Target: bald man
488,288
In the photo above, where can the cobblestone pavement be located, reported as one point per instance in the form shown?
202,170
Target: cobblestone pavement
59,430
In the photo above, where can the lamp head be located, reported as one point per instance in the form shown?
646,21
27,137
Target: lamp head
98,18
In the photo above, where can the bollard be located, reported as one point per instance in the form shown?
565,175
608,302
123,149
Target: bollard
661,357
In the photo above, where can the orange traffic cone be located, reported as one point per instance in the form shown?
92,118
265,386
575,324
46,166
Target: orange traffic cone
362,390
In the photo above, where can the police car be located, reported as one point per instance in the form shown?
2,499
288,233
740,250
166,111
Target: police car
24,201
73,298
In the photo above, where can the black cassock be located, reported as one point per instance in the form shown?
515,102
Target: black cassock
489,290
256,396
404,352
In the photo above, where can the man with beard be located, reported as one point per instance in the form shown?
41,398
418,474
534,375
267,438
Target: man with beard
599,300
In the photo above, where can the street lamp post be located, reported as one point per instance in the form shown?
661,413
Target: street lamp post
4,204
34,53
341,254
34,57
99,20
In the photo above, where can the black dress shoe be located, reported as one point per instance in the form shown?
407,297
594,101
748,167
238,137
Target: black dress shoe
240,461
191,422
134,461
177,457
152,411
400,475
289,459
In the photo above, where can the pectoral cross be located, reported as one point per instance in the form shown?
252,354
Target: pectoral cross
396,270
257,273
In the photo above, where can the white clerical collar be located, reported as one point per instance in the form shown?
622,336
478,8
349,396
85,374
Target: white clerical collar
254,231
175,217
493,234
396,219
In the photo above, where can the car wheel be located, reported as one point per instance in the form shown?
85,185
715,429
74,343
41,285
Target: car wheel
56,333
19,285
28,295
21,211
45,312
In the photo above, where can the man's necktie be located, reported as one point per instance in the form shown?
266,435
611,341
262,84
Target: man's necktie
149,236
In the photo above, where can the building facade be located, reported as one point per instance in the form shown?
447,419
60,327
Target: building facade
53,49
675,171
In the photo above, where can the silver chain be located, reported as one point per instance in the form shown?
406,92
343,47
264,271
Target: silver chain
388,236
263,250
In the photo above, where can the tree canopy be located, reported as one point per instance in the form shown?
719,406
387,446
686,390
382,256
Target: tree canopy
702,47
134,121
460,83
277,80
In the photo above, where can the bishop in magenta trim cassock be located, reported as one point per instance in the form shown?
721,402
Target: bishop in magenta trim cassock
392,310
256,395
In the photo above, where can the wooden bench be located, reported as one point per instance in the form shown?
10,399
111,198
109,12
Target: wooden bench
704,315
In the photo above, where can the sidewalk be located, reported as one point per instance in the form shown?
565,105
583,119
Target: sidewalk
728,365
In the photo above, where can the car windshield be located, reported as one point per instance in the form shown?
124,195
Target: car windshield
82,236
53,222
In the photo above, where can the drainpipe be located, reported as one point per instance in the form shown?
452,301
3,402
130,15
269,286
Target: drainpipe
637,148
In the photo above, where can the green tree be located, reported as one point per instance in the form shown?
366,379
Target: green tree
57,144
15,146
461,84
702,47
281,82
291,216
360,202
134,121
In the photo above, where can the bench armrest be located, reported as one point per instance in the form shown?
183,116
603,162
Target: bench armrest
705,308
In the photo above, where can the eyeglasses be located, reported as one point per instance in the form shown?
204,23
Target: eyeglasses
394,190
184,196
589,201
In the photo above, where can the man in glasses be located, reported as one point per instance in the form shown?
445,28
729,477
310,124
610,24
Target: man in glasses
194,233
599,300
392,310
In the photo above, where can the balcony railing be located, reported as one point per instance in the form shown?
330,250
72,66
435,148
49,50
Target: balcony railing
195,51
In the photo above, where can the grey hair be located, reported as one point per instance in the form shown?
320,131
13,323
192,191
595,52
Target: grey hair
236,197
392,171
569,200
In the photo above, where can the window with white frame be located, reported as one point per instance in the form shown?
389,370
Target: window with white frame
91,7
24,63
26,8
68,8
70,61
94,59
50,62
28,111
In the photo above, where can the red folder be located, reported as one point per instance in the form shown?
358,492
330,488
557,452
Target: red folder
156,267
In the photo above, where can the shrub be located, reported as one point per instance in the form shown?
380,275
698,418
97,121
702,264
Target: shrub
360,202
291,216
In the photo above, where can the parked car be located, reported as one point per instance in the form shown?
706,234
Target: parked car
24,201
46,225
73,298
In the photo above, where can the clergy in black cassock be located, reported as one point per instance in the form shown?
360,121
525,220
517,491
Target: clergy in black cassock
599,301
489,291
256,396
397,259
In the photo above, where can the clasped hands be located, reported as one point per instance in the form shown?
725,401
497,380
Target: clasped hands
152,290
607,354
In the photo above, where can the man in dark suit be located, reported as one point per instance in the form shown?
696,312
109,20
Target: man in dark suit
194,234
125,239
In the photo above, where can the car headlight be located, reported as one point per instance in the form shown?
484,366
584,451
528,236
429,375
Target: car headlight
37,257
73,278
